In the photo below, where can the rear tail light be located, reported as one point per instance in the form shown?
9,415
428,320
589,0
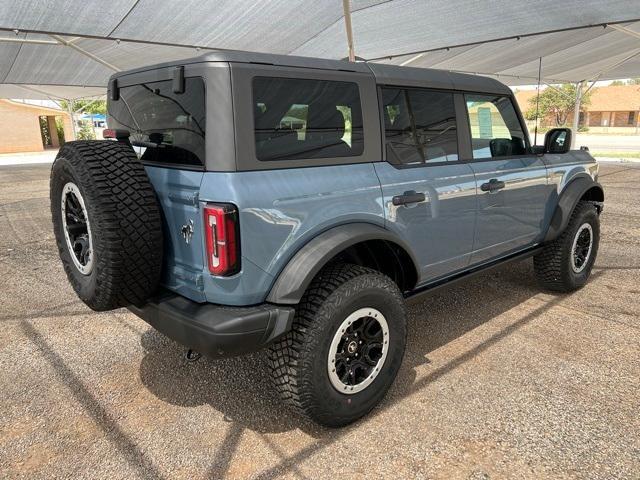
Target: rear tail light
221,229
119,135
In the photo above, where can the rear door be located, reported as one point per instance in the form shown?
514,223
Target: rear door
429,195
511,181
168,135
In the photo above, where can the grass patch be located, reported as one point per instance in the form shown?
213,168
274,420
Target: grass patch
616,154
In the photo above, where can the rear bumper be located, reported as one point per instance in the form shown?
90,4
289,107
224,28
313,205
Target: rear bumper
215,330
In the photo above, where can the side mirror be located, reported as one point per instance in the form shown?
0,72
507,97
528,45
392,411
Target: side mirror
557,140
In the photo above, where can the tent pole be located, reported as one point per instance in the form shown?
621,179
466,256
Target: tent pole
96,58
346,6
29,41
73,122
576,113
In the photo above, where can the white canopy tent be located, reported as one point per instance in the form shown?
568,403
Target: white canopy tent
68,48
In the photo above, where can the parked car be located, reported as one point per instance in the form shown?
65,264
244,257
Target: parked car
247,201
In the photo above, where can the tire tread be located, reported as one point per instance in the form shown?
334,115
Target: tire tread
124,213
287,356
549,265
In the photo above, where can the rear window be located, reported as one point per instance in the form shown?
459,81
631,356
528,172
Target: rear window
165,127
306,119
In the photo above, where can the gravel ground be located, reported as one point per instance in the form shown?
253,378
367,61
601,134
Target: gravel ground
499,381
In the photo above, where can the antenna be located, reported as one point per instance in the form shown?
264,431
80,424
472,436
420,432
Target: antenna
535,135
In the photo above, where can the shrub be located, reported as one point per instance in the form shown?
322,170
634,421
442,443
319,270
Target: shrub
86,132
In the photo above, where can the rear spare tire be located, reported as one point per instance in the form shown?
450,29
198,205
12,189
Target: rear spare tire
107,223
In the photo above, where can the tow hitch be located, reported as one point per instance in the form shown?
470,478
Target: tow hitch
192,356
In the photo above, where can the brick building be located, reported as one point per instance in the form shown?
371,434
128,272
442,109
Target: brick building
31,128
613,109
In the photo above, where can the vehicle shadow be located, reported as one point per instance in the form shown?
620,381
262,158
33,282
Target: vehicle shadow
240,388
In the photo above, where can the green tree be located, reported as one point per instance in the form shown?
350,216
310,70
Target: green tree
558,102
60,130
618,83
94,107
86,132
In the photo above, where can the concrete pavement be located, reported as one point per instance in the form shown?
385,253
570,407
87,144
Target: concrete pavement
500,379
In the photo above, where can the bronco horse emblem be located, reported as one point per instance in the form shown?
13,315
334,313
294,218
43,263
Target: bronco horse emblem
187,231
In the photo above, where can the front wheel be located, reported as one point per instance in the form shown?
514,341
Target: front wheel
345,346
565,264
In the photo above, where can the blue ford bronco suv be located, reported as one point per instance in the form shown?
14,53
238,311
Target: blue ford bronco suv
243,201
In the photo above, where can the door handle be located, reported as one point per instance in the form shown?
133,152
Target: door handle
407,198
492,185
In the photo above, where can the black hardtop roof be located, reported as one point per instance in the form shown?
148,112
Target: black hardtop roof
428,77
384,74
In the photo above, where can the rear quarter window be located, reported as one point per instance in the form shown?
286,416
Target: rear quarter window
166,128
306,119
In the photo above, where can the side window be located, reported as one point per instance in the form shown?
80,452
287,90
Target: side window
495,127
420,126
306,119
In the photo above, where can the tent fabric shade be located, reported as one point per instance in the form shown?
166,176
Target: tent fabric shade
568,56
503,39
45,92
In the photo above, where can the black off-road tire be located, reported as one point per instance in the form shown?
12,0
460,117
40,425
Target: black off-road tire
124,218
299,360
553,266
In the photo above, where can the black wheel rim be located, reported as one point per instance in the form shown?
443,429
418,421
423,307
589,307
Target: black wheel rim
358,350
76,227
582,246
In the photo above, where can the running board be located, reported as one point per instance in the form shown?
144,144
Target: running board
420,292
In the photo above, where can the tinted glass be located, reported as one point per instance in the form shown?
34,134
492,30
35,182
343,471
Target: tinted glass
420,126
495,127
295,119
165,127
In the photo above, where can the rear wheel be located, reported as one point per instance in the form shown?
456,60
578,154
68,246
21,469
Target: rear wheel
345,346
565,264
107,223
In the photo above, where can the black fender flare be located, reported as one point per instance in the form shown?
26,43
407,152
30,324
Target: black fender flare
567,201
296,276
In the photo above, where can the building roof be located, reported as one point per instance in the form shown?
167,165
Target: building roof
523,97
42,109
612,98
615,98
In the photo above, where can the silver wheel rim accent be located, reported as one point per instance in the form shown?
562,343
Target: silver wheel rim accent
580,259
338,338
71,189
